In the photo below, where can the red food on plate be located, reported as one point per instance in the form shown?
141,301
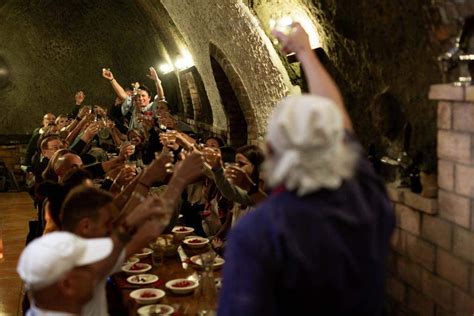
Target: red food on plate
182,229
137,266
147,294
183,284
195,241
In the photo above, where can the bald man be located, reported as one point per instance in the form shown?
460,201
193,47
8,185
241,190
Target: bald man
65,164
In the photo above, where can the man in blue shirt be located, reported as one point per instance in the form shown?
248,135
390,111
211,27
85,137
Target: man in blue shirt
317,245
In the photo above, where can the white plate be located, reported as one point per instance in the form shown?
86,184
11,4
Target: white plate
142,279
160,309
178,230
157,295
145,267
202,242
218,261
145,252
181,289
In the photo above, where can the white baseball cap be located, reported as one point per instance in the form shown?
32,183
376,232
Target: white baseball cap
46,259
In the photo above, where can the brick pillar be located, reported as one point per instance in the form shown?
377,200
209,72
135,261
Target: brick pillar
431,266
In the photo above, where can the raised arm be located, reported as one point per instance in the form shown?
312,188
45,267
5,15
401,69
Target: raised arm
319,81
107,74
159,89
79,98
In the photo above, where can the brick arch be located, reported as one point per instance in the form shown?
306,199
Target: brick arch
235,100
195,101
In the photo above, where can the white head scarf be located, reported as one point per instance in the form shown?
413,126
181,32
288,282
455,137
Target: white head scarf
306,135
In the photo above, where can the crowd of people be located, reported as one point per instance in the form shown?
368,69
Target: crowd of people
303,228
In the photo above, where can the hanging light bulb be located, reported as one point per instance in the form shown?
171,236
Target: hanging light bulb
166,68
184,61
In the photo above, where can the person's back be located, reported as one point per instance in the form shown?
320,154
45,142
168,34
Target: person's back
318,245
321,254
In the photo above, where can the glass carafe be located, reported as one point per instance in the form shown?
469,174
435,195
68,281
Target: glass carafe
207,293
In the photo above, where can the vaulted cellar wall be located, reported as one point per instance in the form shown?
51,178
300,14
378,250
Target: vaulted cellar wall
55,48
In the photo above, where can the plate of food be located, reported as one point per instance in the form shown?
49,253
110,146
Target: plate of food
182,230
136,268
141,279
181,286
147,296
156,309
218,262
145,252
195,241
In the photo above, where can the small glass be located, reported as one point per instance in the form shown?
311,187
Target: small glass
158,254
283,24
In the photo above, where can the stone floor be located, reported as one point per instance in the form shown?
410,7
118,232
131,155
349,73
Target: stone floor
16,209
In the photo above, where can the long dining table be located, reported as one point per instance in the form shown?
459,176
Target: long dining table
171,267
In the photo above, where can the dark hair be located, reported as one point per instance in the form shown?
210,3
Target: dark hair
76,177
45,140
145,88
83,202
55,193
227,154
219,140
256,158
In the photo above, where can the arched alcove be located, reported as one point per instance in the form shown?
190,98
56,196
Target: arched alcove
234,98
196,102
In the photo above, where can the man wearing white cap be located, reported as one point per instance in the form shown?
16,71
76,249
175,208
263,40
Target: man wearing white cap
317,245
57,273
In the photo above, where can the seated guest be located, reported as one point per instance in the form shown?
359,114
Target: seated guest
318,244
57,272
49,146
61,121
214,142
248,160
48,118
89,212
49,172
65,164
56,193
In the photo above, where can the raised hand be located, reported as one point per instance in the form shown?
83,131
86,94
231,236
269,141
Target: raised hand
152,208
125,176
107,74
296,41
100,110
110,124
158,169
84,111
126,150
213,157
153,75
79,97
238,177
191,168
91,131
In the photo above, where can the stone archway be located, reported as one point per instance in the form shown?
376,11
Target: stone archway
234,98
